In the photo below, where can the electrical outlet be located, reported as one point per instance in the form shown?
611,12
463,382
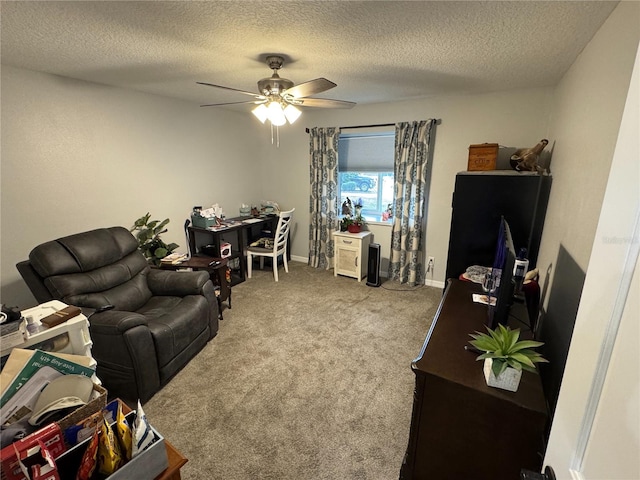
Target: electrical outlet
430,264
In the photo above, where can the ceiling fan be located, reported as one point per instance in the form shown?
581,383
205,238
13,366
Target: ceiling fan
279,97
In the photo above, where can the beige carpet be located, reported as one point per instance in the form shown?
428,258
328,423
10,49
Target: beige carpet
308,378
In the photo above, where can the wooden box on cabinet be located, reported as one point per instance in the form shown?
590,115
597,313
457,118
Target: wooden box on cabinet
351,254
483,156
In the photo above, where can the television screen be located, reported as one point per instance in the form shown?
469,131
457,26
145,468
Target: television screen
502,275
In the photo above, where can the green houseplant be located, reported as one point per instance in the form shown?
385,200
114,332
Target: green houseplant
148,232
504,350
356,224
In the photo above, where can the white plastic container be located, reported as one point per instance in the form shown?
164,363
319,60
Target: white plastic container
71,336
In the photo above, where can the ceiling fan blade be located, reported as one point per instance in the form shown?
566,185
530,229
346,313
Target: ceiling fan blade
324,103
309,88
253,102
233,90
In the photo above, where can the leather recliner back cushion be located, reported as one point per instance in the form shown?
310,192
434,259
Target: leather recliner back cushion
83,252
110,285
94,269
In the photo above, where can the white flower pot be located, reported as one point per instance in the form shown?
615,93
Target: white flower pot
508,380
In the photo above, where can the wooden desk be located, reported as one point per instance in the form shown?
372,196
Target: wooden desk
460,427
241,233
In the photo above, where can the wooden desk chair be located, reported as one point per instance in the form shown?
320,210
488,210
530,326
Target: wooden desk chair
272,247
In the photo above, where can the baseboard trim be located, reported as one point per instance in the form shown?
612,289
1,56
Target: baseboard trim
427,282
434,283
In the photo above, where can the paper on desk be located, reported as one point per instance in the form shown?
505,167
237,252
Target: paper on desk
252,220
477,298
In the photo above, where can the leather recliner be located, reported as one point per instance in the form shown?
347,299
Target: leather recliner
160,319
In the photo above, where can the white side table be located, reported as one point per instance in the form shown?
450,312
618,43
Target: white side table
71,336
351,254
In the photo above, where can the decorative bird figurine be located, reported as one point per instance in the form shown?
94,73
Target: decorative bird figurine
526,159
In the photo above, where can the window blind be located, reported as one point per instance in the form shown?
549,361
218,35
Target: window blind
370,152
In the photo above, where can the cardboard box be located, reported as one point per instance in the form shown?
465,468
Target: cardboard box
482,157
50,436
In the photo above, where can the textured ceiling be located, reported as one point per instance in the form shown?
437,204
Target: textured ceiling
376,51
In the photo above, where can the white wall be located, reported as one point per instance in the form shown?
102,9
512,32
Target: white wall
515,118
612,430
596,432
77,156
587,109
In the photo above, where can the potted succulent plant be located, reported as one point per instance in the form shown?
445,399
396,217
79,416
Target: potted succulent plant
505,356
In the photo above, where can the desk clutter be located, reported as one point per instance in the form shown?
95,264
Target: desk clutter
229,238
214,218
56,424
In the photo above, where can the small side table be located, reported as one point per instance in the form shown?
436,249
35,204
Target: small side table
219,274
351,254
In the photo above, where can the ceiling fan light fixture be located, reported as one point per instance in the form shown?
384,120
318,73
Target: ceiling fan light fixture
292,113
261,112
279,98
276,114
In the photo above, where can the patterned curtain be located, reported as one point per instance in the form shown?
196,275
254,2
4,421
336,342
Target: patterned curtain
323,203
410,168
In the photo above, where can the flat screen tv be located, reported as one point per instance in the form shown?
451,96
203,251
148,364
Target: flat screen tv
502,275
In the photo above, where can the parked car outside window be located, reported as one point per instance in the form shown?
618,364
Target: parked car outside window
352,181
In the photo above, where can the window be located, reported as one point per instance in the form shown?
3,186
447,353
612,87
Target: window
365,171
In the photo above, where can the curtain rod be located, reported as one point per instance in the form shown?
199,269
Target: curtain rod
437,121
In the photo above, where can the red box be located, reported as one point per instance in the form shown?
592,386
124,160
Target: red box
50,436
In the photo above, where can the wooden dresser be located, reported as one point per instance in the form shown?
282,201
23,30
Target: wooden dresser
461,429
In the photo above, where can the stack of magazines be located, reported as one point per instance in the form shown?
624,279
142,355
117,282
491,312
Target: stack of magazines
174,258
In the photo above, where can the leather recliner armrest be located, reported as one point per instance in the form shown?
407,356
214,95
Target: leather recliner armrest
125,351
179,284
115,322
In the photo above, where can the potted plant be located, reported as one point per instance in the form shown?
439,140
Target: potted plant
350,222
148,232
356,223
505,356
